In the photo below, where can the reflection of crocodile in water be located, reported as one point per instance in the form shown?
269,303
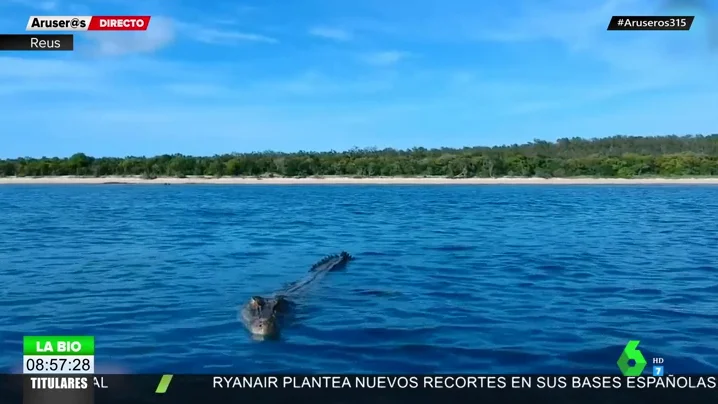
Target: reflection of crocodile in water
261,315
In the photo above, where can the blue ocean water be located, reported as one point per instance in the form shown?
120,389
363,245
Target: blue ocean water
482,279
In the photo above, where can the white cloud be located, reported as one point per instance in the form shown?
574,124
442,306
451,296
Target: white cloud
386,58
243,8
633,61
106,77
575,27
334,34
48,5
703,10
314,84
160,33
16,68
20,76
197,89
218,37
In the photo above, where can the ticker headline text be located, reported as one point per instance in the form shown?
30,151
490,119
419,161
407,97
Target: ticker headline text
464,382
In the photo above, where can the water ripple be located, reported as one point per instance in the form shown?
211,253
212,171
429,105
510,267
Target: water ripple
481,279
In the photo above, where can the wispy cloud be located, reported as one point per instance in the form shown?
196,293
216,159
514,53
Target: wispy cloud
417,74
704,10
214,36
201,90
245,8
221,36
17,68
335,34
159,34
315,84
48,5
632,62
577,30
386,58
23,80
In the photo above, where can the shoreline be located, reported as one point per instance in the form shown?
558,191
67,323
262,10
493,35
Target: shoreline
136,180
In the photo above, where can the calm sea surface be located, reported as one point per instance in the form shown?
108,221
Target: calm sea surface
483,279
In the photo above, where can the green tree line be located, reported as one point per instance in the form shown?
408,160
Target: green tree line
618,156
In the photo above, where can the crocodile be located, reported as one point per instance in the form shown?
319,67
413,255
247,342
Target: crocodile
262,315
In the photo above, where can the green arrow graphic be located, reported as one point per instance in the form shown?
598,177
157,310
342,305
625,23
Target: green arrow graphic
630,352
164,384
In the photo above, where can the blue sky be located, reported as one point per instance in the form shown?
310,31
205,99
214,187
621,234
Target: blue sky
223,76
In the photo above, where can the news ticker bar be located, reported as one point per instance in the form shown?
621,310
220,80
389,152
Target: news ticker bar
650,23
88,23
42,42
177,389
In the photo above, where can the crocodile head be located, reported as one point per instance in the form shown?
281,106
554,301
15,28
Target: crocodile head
262,315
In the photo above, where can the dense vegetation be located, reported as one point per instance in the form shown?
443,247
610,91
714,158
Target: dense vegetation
618,156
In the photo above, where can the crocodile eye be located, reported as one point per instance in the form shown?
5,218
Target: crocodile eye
257,301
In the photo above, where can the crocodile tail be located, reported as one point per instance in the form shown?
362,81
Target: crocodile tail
332,262
318,270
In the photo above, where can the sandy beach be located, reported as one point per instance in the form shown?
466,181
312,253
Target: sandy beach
67,180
